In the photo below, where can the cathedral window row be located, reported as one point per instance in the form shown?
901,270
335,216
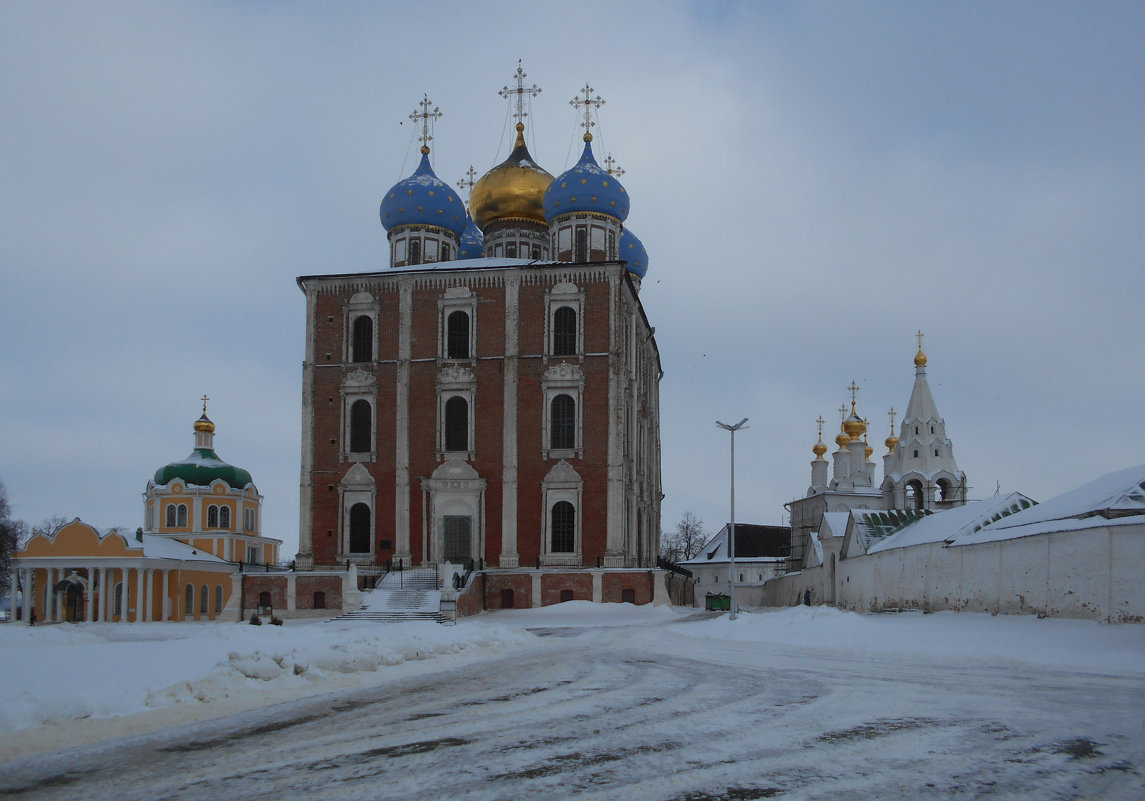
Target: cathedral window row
218,516
176,515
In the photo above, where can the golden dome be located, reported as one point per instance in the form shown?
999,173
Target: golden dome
843,440
920,358
891,442
513,190
819,448
867,450
854,425
204,424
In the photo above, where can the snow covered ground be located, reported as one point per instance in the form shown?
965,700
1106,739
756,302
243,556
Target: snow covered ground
579,700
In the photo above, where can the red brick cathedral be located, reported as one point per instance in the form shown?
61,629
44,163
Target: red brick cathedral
491,398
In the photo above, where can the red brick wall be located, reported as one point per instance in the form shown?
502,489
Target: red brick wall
520,583
254,584
553,583
612,587
306,586
469,601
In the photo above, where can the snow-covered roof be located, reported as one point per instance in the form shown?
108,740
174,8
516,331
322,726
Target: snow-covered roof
834,524
873,525
157,547
949,524
754,543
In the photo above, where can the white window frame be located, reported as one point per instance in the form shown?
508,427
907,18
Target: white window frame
562,483
562,379
456,299
357,486
457,382
564,294
358,385
361,304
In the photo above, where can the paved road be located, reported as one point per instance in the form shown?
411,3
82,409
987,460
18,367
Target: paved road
634,714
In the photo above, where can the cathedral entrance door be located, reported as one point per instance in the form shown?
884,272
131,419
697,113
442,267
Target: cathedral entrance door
457,539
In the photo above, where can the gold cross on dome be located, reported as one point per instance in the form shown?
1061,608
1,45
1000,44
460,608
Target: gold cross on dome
588,104
842,412
521,92
204,399
466,183
892,414
425,117
820,422
611,167
853,388
919,335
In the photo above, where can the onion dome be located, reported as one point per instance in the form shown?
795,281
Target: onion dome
920,358
854,425
423,199
632,251
472,244
843,439
819,448
586,188
868,450
513,190
203,465
891,442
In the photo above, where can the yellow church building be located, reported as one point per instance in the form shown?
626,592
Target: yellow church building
203,522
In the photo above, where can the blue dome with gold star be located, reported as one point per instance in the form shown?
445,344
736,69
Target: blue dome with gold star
632,251
472,242
423,199
586,187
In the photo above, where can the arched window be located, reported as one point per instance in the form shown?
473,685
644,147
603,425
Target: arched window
446,255
224,517
562,423
189,602
511,250
942,490
204,594
218,599
360,427
118,606
414,251
359,528
563,528
457,335
580,252
914,496
363,347
181,514
171,515
457,424
564,331
319,600
212,517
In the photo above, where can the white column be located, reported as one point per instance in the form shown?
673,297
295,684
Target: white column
12,593
509,557
166,590
57,597
138,595
123,595
46,606
401,433
147,593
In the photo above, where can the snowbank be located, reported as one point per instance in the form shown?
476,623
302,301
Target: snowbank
957,636
54,674
583,614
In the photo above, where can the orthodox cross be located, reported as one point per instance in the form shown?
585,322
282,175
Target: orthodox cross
820,422
425,117
521,91
919,335
892,414
853,388
468,181
842,412
204,399
588,104
611,167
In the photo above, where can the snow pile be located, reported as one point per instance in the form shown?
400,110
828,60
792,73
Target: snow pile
953,636
584,614
59,673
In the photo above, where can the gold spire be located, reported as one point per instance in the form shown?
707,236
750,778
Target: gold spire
819,449
204,423
854,425
588,104
425,117
920,357
892,441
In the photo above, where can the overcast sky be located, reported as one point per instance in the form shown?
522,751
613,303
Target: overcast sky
813,182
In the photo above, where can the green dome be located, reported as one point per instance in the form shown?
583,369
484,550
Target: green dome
201,468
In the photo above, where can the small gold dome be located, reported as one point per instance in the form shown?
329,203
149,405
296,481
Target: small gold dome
867,450
920,359
819,448
204,424
843,440
854,425
891,442
513,190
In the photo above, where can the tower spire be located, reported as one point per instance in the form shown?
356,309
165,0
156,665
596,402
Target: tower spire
588,104
520,93
425,118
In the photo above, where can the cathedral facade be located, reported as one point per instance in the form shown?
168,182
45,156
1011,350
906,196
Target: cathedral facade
491,398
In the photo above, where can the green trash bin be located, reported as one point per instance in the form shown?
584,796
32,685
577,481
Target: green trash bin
718,602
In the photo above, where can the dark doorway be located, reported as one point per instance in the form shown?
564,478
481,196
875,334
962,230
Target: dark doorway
566,595
506,599
629,596
457,536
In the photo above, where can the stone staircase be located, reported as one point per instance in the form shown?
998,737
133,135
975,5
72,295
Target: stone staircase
401,597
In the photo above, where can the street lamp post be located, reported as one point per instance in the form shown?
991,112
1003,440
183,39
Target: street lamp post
732,524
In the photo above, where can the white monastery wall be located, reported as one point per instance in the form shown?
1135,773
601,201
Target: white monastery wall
1092,573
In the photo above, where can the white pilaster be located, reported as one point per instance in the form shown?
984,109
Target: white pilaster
165,603
27,583
401,432
509,557
139,595
536,577
615,517
147,595
123,595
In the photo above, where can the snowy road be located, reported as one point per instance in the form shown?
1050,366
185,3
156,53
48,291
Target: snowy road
641,713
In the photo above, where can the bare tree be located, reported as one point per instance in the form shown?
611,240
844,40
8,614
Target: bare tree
685,542
49,525
11,534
